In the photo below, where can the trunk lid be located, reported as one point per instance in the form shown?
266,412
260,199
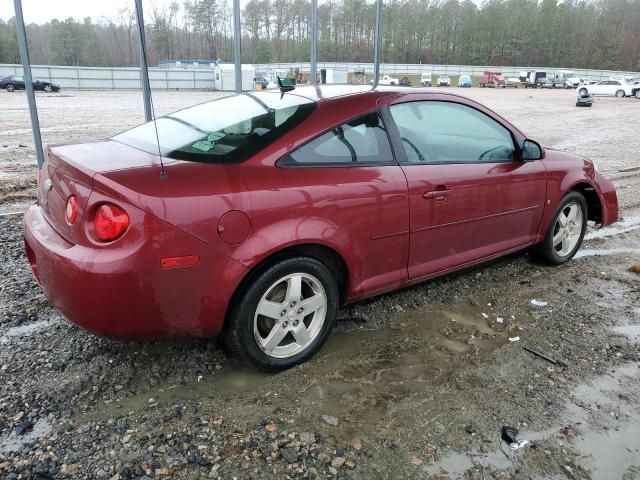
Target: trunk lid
69,170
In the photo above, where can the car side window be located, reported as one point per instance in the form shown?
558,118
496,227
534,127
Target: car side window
446,132
356,142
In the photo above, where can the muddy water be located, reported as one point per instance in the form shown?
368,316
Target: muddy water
360,375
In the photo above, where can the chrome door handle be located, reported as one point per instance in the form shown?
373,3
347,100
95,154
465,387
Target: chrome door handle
435,194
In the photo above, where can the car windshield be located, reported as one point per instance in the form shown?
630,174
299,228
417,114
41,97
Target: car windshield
228,130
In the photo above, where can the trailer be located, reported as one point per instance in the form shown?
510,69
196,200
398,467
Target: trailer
532,78
493,79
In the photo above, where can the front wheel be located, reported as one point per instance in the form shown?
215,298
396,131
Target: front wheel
637,94
566,232
620,93
10,88
284,315
48,88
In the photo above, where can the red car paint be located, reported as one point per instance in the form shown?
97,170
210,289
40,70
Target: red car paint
195,236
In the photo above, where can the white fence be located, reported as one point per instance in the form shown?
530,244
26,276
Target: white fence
203,79
98,78
455,70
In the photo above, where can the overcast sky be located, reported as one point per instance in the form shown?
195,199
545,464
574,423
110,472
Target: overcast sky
41,11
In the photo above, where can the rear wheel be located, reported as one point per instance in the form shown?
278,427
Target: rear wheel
10,88
566,232
284,315
620,93
48,88
638,94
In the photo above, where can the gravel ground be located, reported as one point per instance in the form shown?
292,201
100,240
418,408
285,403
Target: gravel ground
414,384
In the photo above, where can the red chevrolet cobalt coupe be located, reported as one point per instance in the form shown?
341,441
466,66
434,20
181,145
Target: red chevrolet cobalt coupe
272,209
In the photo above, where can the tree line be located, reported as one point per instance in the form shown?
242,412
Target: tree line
602,34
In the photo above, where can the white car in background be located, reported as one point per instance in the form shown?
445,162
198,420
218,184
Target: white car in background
387,80
611,88
444,81
573,82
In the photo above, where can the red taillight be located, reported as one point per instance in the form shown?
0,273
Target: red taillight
72,210
110,222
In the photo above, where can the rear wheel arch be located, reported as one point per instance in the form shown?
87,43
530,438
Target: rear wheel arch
594,203
329,257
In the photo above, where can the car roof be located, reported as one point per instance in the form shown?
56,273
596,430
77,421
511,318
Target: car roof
322,93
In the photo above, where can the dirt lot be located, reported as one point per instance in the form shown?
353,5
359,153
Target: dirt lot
414,384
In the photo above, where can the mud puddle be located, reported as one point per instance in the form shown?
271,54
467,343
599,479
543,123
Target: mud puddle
628,223
603,252
14,443
25,330
362,376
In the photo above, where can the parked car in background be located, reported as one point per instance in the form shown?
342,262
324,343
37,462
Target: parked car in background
574,82
314,199
426,79
16,82
609,88
465,81
262,81
388,80
444,81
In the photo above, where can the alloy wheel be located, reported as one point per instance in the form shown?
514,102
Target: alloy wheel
10,88
567,229
48,88
290,315
620,94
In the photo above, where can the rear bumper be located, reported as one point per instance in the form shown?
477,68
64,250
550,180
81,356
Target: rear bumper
122,291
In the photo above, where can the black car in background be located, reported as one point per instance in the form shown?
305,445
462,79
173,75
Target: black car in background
16,82
262,81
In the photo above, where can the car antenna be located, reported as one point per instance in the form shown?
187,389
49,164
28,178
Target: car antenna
163,173
284,88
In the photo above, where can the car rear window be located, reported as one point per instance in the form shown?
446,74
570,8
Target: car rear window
228,130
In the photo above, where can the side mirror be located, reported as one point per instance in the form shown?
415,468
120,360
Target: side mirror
531,150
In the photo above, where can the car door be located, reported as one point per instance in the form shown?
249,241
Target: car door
19,82
346,187
469,196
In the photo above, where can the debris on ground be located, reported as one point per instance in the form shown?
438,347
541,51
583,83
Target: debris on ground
545,357
509,435
539,303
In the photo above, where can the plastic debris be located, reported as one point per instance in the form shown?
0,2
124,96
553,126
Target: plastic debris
510,436
499,320
485,315
519,445
539,303
514,339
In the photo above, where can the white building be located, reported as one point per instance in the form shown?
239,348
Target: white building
225,77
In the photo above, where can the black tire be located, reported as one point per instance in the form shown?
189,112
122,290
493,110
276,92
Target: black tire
48,88
545,250
238,334
582,91
10,87
637,94
620,93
